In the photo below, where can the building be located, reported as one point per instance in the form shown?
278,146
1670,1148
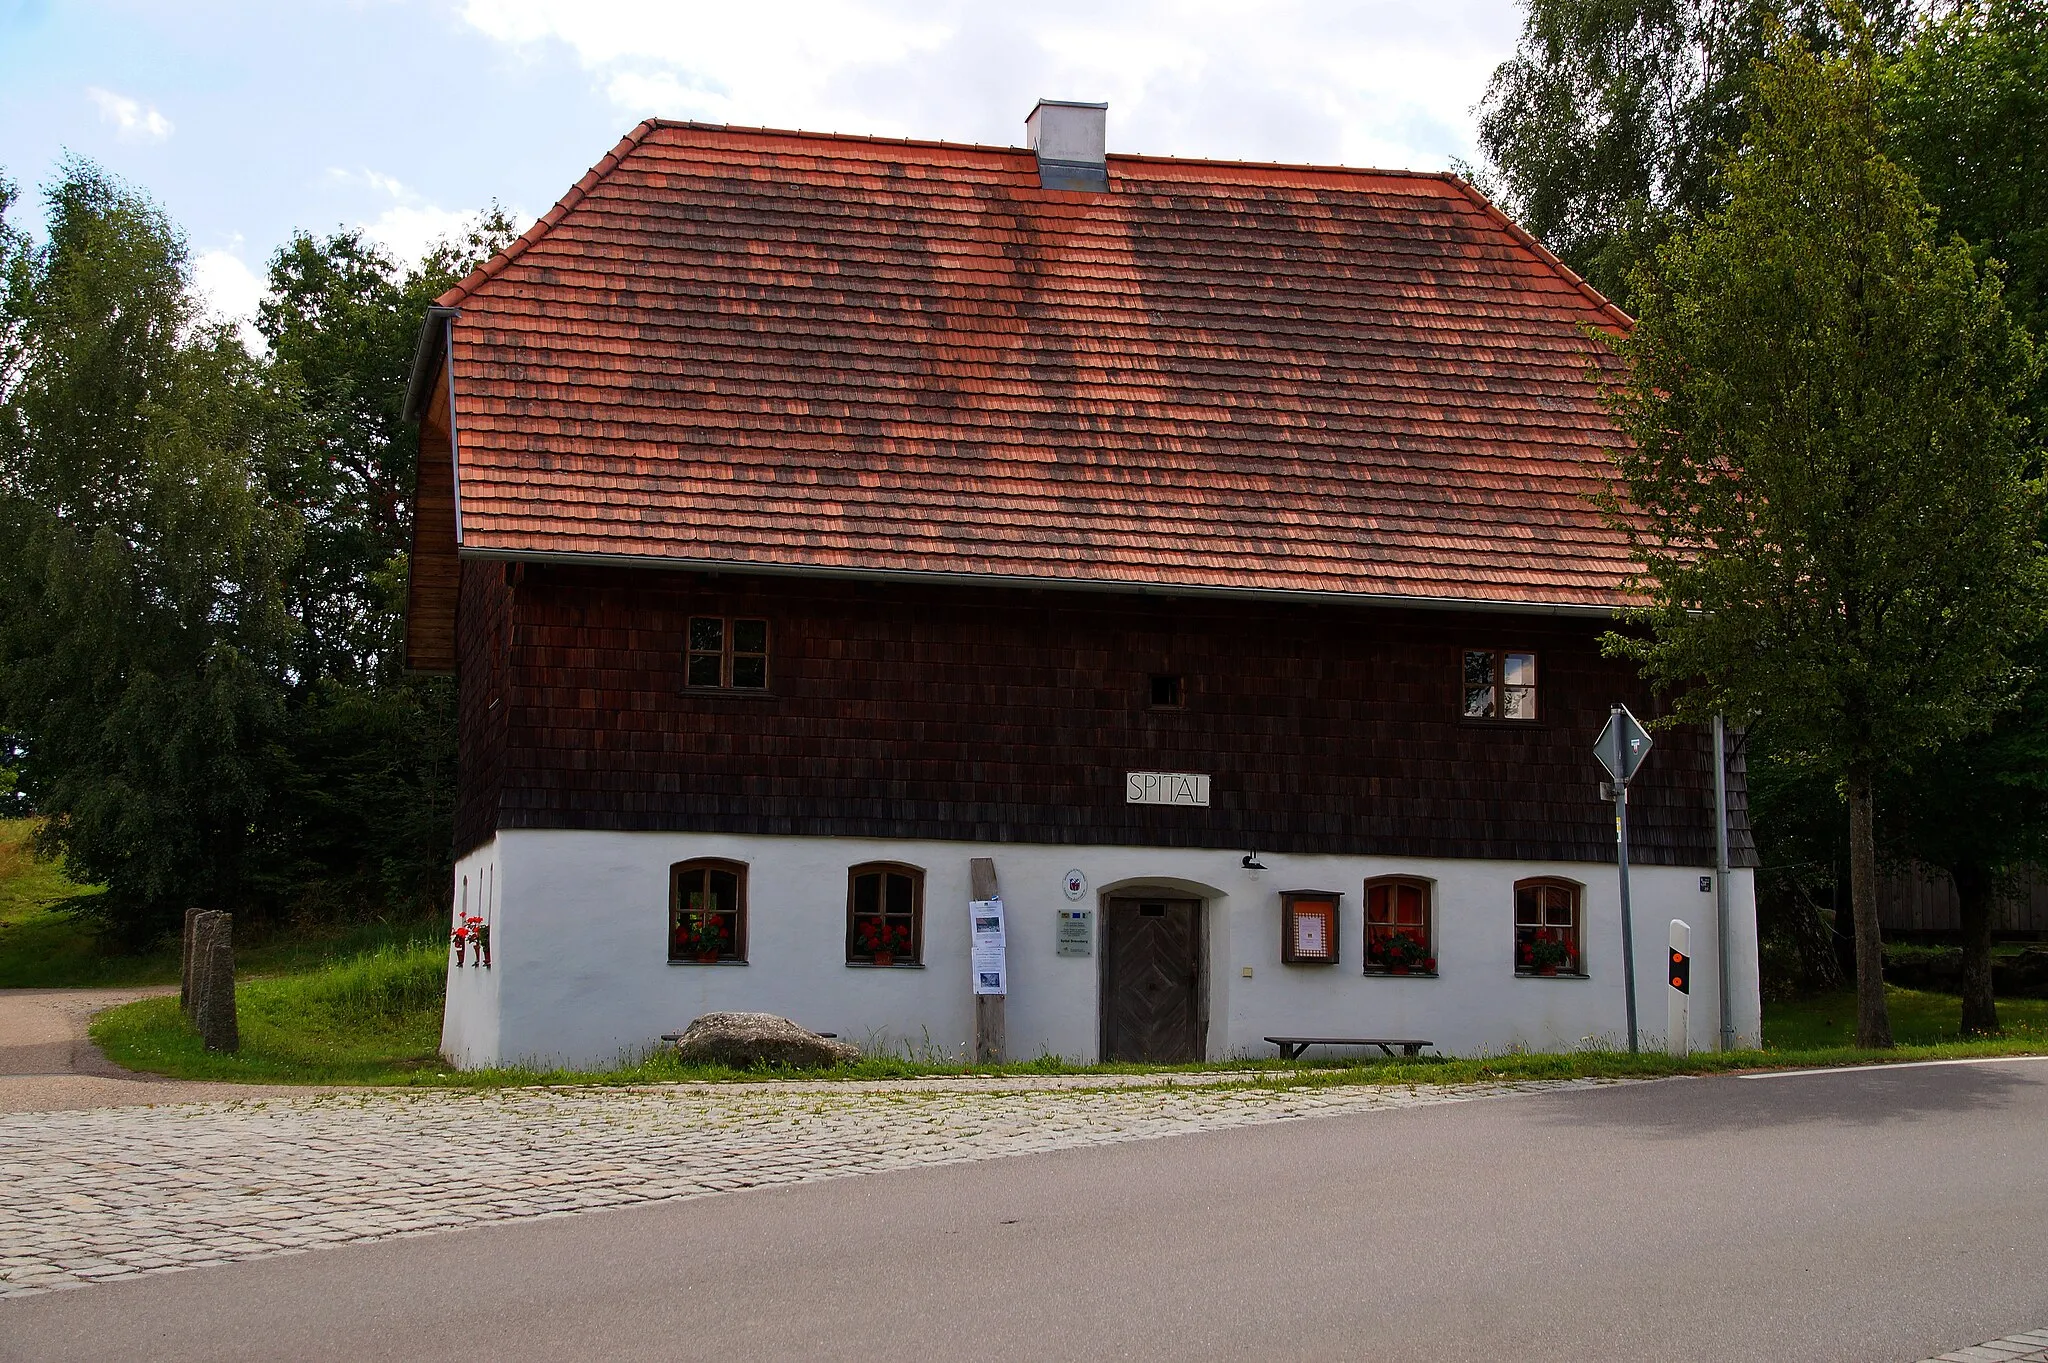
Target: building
1205,544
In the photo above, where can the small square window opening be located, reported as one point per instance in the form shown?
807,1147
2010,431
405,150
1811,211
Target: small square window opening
727,654
1499,684
1168,693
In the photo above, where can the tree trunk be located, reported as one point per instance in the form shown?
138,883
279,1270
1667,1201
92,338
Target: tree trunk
1873,1025
1976,888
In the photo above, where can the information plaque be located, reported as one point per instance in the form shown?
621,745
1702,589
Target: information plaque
1076,932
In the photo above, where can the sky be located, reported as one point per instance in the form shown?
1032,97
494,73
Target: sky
250,121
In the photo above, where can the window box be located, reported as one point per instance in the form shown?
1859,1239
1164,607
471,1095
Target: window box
707,912
885,915
1548,929
1400,931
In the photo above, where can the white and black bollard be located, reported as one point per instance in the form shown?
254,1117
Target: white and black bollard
1678,975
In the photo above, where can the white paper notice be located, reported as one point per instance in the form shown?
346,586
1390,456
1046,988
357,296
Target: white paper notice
991,975
1309,935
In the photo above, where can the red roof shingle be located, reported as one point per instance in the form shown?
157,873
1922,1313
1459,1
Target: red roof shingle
857,355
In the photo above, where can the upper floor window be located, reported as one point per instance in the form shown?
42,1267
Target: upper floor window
1499,684
707,911
1399,934
1169,693
1548,928
728,653
884,914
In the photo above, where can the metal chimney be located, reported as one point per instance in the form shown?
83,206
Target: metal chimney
1071,139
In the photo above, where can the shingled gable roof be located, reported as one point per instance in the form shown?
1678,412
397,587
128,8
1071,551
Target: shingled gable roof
747,348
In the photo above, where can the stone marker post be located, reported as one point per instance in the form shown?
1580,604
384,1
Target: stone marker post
185,964
213,980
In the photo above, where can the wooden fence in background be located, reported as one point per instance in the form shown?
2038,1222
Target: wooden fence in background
1925,901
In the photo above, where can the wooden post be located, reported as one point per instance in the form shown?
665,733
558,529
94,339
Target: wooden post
213,980
988,1008
185,968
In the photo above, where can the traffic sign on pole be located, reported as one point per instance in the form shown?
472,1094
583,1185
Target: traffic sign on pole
1622,745
1678,995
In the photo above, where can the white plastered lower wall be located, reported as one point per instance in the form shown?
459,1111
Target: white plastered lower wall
580,972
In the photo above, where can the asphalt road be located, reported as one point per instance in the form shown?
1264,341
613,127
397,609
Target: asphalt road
1869,1215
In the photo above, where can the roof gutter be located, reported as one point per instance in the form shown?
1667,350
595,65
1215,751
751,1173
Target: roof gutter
426,359
1388,600
437,348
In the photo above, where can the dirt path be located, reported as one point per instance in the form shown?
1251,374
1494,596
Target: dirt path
48,1064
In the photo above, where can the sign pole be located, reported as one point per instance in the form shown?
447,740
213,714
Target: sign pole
1722,953
1628,929
1621,748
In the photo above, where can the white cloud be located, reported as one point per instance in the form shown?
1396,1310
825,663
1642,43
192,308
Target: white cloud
130,119
409,225
231,290
407,230
1370,82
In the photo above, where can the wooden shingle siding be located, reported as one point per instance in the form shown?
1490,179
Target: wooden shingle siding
432,583
1011,716
484,687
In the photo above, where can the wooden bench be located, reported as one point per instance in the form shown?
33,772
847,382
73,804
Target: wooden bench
1291,1047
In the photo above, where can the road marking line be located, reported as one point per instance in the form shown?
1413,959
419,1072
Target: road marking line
1886,1066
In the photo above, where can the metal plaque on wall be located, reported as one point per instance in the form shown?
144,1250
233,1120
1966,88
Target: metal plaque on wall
1077,932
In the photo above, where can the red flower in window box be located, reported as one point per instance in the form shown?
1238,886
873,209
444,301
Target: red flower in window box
702,936
881,939
1402,952
1548,952
472,930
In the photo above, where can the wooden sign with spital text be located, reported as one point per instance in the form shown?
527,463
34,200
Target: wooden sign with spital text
1166,788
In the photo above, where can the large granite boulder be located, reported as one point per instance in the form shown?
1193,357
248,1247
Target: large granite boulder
744,1040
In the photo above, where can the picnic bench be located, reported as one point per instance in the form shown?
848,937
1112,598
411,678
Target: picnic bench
1291,1047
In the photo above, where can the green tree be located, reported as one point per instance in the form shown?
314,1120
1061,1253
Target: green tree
363,811
1607,129
1967,104
141,620
1824,469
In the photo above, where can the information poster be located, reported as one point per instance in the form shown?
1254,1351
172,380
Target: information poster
1311,934
991,973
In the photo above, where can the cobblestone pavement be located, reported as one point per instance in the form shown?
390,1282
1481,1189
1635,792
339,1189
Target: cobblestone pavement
92,1196
2031,1347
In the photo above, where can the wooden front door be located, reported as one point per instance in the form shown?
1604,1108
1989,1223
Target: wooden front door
1152,980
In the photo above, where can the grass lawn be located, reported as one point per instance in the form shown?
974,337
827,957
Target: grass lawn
375,1018
1918,1019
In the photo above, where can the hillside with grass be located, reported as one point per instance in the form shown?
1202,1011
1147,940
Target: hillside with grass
44,941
